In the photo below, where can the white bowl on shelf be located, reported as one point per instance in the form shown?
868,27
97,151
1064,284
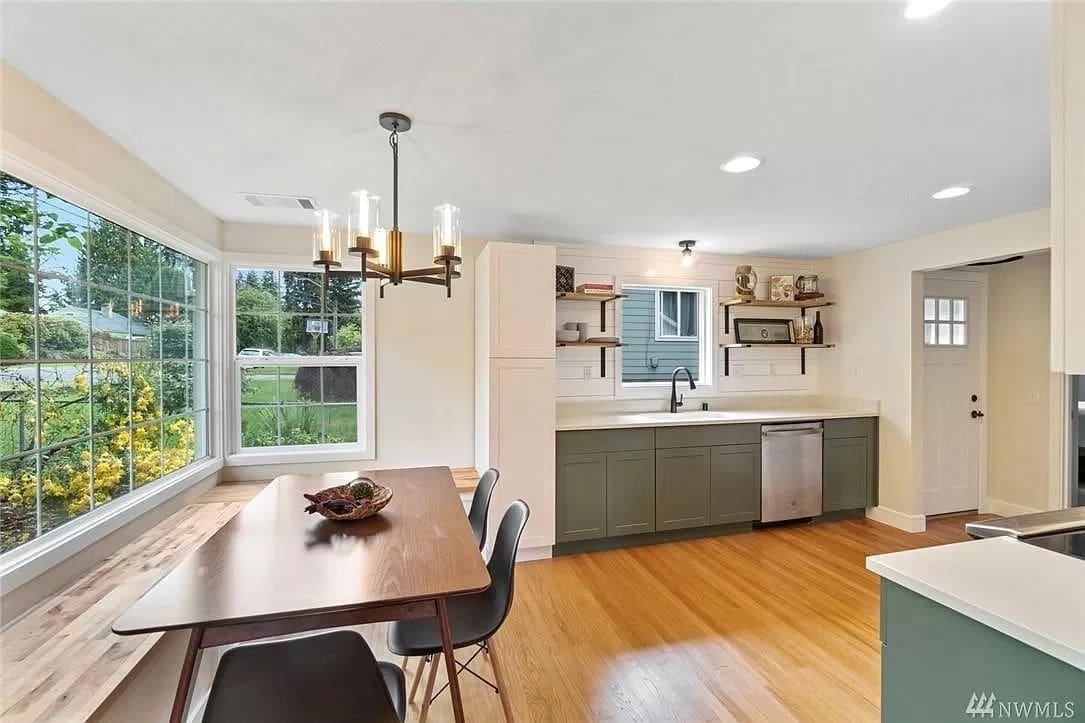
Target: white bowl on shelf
567,336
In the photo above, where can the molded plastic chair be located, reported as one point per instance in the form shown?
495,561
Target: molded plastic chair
480,504
473,619
331,677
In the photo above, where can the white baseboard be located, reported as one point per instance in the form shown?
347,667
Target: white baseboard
527,554
900,520
1003,508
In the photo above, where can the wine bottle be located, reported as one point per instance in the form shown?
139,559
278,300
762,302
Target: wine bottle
819,330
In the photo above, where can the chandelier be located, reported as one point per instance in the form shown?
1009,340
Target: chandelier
381,249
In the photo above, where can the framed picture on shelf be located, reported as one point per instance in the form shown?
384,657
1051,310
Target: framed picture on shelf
764,331
782,287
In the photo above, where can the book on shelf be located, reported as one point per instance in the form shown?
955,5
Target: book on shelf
595,289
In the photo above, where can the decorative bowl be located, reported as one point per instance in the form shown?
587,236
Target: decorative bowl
337,503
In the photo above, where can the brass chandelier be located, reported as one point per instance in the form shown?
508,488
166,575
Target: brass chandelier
380,249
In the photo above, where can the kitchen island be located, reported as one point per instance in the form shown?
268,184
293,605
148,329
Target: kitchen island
989,629
626,477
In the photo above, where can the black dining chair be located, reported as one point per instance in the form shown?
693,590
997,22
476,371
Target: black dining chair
473,619
480,504
331,677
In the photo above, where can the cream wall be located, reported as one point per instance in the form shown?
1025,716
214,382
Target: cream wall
38,132
876,326
424,352
1020,384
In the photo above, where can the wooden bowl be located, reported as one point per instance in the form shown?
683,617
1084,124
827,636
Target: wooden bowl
365,508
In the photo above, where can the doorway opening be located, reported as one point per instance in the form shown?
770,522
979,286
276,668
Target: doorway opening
990,399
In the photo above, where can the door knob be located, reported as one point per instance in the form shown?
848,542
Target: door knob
976,415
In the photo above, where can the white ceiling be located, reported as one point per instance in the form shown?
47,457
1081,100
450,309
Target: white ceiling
573,122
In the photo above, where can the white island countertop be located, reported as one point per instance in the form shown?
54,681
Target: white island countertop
632,420
1029,593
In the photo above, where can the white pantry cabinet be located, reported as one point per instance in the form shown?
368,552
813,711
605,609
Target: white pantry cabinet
514,300
1068,187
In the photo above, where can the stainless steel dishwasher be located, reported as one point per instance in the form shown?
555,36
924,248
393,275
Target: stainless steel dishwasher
790,471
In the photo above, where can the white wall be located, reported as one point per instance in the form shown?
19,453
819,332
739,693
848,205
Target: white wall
876,324
770,371
38,131
1019,384
425,372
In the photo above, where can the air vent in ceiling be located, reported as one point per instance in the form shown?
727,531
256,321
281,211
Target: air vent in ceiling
274,200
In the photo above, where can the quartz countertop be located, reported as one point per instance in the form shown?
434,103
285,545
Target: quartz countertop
1026,592
632,420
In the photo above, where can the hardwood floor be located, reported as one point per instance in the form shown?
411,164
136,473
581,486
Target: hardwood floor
773,625
779,624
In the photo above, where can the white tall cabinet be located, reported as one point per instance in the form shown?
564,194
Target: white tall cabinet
1068,187
515,381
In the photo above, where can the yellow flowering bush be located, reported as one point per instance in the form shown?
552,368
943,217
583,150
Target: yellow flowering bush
154,448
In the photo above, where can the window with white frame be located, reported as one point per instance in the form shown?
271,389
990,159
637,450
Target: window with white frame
677,314
663,327
300,366
945,321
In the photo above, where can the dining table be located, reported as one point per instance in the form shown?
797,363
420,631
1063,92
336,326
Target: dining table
274,570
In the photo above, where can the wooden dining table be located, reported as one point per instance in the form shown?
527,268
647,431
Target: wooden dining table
275,570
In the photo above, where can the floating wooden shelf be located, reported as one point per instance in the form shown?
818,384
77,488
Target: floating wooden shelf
602,300
801,347
602,346
573,296
802,306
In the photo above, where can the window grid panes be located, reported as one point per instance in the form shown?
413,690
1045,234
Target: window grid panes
677,314
298,364
104,364
945,321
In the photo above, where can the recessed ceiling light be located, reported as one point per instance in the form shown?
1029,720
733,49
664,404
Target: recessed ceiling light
951,192
917,9
741,163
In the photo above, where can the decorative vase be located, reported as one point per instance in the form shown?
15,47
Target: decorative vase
745,283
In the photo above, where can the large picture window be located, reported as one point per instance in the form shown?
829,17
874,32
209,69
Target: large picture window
663,328
299,365
103,346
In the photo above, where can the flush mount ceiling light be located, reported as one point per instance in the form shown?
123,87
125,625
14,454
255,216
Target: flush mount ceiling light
917,9
741,163
687,252
381,249
951,192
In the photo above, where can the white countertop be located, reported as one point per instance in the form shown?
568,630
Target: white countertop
1033,595
631,420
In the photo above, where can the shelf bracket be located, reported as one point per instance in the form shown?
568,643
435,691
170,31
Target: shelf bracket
726,361
802,360
602,316
726,319
603,362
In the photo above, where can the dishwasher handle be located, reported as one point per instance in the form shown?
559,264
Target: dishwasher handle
790,432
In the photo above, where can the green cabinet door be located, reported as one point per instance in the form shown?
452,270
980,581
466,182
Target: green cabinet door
631,493
581,497
847,473
682,488
736,483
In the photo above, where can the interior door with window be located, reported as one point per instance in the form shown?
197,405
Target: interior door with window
955,391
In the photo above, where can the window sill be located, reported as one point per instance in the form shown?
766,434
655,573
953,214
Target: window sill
303,455
36,557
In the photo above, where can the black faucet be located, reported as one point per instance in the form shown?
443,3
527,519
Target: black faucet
676,402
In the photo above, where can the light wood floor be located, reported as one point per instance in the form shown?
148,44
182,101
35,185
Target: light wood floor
772,625
775,625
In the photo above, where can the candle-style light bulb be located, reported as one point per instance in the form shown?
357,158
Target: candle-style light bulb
446,232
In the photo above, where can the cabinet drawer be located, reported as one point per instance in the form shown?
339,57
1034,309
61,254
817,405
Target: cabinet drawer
709,435
605,440
855,427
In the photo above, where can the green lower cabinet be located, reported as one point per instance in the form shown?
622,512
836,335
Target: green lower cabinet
736,483
631,493
847,474
940,665
581,497
682,488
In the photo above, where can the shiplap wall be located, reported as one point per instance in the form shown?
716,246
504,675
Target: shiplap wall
768,371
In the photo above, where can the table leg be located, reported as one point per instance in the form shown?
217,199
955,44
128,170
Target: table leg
450,660
189,669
